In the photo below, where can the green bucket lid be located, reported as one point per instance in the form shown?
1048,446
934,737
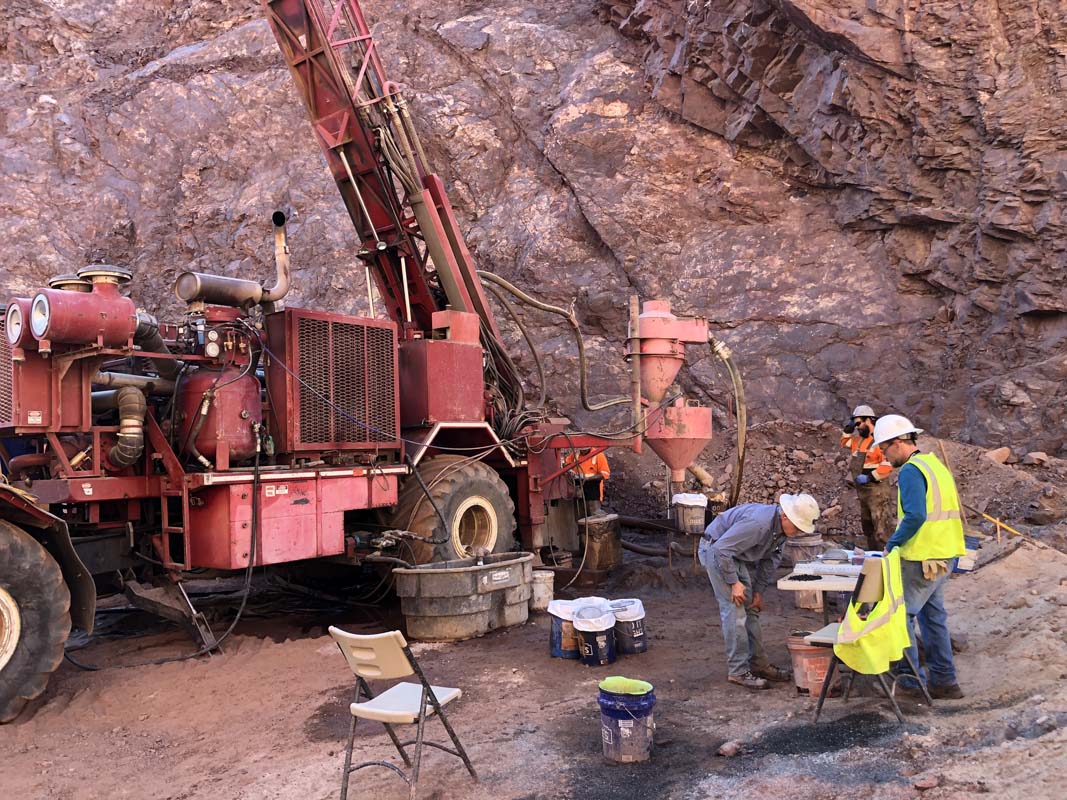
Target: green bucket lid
617,684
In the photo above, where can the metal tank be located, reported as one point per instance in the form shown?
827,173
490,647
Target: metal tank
219,409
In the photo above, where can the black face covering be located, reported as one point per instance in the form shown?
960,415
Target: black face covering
864,429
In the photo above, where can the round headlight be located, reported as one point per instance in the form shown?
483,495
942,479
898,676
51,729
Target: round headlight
13,323
40,315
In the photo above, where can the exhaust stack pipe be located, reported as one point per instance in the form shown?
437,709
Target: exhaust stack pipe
219,290
281,261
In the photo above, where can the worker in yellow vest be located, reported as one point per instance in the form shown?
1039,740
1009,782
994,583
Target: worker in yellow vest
929,536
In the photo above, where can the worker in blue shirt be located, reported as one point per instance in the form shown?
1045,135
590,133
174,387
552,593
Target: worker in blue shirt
741,549
929,535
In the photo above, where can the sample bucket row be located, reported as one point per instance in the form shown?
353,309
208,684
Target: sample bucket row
596,630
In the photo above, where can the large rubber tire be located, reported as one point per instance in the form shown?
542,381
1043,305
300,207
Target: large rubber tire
34,619
472,498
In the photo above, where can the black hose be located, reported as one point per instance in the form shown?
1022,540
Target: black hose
573,321
132,408
529,342
426,491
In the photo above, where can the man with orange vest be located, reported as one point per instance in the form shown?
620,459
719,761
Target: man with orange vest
929,537
869,471
591,473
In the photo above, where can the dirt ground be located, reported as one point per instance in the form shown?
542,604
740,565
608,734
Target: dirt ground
268,718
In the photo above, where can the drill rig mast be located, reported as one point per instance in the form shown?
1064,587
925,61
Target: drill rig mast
409,237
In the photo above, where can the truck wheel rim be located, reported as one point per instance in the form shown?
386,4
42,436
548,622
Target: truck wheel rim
10,626
474,525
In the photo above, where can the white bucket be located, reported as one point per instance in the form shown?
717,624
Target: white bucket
542,589
689,512
593,618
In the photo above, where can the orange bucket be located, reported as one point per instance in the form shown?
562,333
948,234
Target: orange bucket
810,663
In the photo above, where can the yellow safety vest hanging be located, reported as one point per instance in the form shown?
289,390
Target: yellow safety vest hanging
869,645
941,536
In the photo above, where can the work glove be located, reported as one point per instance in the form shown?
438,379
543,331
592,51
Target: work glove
849,427
934,568
863,480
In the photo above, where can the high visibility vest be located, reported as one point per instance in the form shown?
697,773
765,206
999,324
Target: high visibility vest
941,536
870,645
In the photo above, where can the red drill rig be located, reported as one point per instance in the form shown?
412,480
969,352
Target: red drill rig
248,434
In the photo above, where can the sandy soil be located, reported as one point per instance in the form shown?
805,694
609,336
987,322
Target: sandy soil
268,718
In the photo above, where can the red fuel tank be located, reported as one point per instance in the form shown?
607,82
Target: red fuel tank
225,435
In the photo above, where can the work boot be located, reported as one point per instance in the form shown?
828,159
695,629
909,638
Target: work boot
749,681
947,691
773,673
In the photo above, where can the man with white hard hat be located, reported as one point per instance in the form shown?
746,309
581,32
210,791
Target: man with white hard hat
868,471
741,550
929,535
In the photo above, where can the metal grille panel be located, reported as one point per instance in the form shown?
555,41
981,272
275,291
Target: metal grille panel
381,405
347,389
313,350
7,367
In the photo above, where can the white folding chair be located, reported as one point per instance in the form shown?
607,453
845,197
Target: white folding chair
386,656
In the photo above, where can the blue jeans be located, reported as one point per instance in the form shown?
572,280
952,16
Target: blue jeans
925,601
743,653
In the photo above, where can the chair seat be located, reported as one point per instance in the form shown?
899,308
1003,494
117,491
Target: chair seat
400,704
824,636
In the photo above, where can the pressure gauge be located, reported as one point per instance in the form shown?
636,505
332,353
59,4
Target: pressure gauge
211,349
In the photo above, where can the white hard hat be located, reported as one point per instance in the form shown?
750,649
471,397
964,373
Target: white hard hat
891,426
802,510
863,411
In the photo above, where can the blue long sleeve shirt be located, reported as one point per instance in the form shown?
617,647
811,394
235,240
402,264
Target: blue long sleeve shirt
912,486
751,533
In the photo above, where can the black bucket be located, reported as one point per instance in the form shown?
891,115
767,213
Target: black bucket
630,634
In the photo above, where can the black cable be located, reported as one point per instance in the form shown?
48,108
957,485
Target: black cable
426,491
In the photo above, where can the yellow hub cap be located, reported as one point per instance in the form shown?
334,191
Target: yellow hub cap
474,526
10,626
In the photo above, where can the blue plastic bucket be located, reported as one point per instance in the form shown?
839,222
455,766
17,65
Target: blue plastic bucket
627,726
563,640
598,647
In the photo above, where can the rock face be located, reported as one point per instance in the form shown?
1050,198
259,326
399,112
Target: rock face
867,199
933,132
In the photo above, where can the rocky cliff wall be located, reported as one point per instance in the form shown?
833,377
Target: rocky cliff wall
866,200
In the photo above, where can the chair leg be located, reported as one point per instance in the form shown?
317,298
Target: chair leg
826,686
389,728
848,686
396,743
351,741
455,741
414,784
889,694
919,678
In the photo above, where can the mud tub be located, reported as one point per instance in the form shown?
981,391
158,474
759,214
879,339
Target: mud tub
454,600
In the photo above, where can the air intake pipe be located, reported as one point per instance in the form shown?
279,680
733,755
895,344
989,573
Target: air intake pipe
130,445
219,290
148,339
